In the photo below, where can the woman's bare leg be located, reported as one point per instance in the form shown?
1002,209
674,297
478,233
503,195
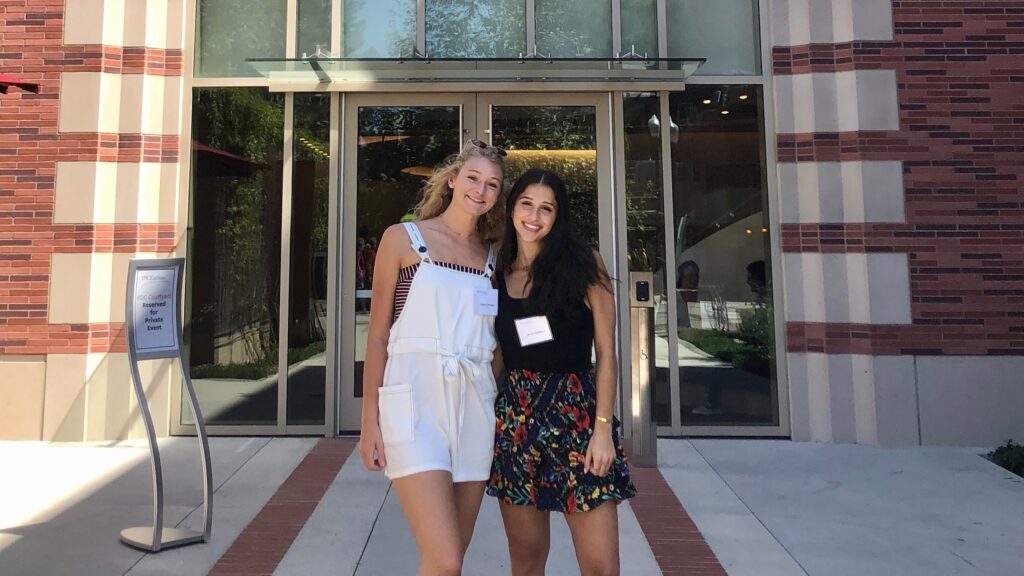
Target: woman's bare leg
595,534
429,503
468,497
529,538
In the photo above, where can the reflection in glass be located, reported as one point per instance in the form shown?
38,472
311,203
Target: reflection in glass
476,28
562,139
314,28
723,259
570,29
723,31
307,275
234,254
229,31
645,229
378,28
640,27
397,150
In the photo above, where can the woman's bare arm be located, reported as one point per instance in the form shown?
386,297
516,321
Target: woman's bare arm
393,250
601,452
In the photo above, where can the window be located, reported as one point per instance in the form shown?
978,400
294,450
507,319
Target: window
723,259
476,28
568,29
640,27
314,28
229,31
723,31
378,28
234,254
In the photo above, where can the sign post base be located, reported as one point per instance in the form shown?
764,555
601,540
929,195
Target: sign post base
141,537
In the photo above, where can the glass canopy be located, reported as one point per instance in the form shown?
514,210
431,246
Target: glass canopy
352,74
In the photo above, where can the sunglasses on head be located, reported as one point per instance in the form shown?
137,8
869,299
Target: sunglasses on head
484,146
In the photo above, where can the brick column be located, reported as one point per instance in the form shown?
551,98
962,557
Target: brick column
89,178
899,138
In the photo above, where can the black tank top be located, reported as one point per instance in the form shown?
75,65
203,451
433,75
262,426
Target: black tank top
573,331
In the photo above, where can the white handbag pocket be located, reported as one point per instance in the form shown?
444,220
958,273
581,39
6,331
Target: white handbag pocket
397,417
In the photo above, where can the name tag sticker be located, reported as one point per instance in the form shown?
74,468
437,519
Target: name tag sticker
534,330
485,302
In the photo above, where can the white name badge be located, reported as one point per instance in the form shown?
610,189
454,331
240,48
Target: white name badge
485,302
534,330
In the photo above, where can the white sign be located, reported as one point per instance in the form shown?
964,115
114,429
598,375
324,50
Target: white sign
156,314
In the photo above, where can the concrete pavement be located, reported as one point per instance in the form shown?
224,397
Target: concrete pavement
764,507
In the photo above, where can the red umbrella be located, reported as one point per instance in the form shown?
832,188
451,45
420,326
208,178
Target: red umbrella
8,81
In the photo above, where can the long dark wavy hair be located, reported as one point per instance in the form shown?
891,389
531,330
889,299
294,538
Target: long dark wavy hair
565,267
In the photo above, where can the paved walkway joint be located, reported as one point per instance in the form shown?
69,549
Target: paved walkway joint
262,545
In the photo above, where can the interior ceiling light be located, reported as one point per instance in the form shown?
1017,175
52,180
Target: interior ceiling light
744,96
707,100
725,112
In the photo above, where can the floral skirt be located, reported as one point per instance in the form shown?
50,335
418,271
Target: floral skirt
544,423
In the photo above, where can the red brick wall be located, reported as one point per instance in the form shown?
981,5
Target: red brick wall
31,35
960,69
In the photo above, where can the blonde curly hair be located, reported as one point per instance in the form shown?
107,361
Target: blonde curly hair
437,195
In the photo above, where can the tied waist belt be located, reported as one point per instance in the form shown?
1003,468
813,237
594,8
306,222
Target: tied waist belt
471,354
461,367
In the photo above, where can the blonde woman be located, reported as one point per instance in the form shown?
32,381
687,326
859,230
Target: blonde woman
428,405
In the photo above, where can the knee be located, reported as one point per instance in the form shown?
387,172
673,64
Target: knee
608,567
529,554
446,564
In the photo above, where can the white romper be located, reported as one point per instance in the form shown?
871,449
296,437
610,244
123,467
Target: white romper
437,399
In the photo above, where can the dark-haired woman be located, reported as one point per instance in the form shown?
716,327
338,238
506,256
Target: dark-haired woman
556,444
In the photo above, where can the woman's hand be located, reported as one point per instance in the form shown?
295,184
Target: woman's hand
371,447
600,450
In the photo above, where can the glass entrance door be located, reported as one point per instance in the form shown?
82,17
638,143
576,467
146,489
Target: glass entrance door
390,146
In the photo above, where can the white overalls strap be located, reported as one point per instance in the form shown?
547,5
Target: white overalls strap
492,260
418,245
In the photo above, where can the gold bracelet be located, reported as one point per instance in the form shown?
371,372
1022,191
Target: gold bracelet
602,419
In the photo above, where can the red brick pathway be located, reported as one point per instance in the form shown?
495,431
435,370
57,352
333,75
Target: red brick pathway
677,544
262,545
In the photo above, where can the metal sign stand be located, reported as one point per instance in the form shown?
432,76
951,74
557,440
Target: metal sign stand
154,332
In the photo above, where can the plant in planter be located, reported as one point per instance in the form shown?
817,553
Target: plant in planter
1009,456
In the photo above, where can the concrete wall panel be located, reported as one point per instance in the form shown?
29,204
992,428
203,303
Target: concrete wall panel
116,193
848,192
99,279
896,401
64,404
971,401
800,22
848,101
22,389
857,288
125,23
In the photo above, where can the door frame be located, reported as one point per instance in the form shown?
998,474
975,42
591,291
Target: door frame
475,123
599,100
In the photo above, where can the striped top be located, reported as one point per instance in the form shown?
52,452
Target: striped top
405,276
